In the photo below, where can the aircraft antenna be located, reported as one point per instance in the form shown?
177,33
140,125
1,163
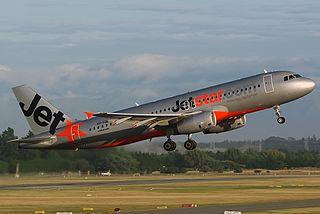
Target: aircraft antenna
265,70
137,104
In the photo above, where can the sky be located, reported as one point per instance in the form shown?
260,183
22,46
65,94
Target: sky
106,55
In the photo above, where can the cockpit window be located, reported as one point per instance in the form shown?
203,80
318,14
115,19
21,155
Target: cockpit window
292,76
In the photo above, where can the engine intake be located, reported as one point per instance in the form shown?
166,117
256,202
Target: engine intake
196,123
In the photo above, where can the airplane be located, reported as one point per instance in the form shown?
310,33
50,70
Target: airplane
211,110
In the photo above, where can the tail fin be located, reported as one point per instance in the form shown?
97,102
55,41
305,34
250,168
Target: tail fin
41,115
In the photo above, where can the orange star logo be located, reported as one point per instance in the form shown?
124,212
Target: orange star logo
72,131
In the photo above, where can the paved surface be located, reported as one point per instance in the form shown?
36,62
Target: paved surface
138,182
258,207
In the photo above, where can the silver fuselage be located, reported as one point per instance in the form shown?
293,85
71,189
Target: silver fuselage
245,95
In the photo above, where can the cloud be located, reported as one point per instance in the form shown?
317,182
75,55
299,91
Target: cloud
4,71
150,67
207,22
149,75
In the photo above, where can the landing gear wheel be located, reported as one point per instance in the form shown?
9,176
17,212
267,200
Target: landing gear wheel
194,144
190,144
169,145
281,120
174,146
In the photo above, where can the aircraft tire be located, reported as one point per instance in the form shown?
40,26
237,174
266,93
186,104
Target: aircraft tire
194,144
190,145
169,145
281,120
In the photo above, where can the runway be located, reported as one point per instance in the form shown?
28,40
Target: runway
218,208
140,182
257,207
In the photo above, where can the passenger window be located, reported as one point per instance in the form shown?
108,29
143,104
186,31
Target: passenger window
90,129
94,128
165,109
258,86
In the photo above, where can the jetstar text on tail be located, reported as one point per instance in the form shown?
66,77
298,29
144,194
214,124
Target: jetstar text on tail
42,115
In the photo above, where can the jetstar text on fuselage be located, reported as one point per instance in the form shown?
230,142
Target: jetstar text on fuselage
198,101
211,98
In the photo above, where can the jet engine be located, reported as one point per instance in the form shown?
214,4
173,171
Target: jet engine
227,125
196,123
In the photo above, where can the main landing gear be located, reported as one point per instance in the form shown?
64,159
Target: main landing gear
190,144
280,120
169,145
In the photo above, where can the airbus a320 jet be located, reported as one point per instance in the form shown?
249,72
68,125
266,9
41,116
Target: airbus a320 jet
211,110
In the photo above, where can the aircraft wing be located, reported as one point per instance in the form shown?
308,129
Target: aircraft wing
146,119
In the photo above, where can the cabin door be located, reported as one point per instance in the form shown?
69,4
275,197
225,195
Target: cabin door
268,83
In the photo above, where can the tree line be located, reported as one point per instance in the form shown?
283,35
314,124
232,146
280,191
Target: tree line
118,160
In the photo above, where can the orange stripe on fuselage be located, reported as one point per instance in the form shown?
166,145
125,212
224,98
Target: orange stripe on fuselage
223,115
133,139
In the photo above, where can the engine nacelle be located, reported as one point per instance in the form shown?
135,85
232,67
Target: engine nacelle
196,123
227,125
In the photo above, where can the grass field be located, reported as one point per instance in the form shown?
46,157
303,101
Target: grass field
148,196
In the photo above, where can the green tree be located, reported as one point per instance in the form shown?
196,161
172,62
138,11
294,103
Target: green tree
8,151
273,159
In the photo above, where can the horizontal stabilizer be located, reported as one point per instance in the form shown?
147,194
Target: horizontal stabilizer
32,140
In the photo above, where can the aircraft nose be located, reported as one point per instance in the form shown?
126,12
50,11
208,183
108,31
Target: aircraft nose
308,85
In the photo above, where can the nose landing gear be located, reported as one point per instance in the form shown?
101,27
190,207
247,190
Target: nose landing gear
280,119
